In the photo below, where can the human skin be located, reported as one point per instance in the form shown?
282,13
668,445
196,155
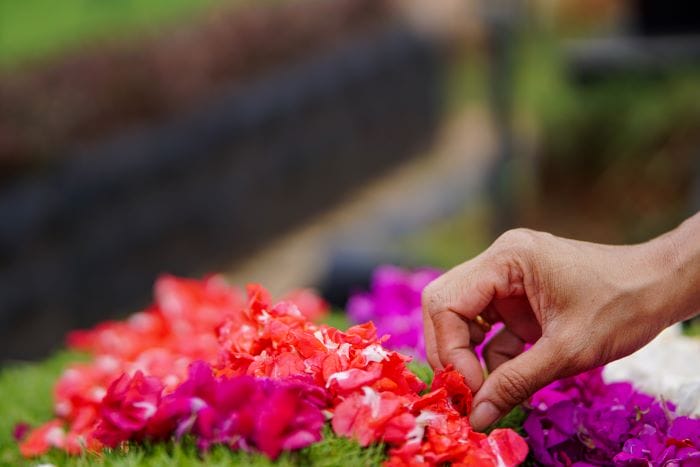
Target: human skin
580,304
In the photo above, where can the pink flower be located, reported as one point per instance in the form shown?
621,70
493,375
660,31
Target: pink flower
372,416
288,416
127,407
242,412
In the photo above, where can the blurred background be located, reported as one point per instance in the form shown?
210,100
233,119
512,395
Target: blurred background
303,142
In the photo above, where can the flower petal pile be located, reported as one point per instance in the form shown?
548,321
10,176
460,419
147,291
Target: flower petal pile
584,421
253,375
374,397
241,412
442,434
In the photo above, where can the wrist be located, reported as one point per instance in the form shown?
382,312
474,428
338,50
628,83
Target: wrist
676,259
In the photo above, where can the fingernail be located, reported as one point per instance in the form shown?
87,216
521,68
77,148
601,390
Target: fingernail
484,415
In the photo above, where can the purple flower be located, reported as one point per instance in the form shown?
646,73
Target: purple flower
581,420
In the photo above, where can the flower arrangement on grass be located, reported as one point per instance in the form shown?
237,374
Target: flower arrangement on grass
577,421
227,369
224,368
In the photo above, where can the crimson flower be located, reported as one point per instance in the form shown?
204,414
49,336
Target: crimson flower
242,412
127,407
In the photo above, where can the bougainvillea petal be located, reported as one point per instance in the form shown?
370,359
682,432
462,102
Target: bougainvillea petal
584,420
457,390
507,446
40,440
127,407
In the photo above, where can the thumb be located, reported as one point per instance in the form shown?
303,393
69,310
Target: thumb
515,381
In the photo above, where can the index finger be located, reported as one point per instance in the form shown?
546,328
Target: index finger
453,347
431,352
450,302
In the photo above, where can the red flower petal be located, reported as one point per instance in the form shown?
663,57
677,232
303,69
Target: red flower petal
354,378
508,446
42,439
458,391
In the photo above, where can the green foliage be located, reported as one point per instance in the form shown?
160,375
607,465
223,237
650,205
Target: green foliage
620,149
620,117
466,81
31,29
514,420
693,328
337,319
423,371
449,242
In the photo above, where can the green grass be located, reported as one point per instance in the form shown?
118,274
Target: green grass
31,29
26,396
332,451
337,319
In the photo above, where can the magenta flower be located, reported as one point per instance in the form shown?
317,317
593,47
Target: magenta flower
20,431
242,412
393,304
127,407
289,416
679,446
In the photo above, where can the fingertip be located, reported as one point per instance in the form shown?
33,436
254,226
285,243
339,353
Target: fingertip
467,364
514,381
484,415
431,354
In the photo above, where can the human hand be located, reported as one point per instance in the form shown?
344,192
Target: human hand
581,304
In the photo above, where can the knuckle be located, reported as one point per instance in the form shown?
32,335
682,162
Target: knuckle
512,387
448,356
520,237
